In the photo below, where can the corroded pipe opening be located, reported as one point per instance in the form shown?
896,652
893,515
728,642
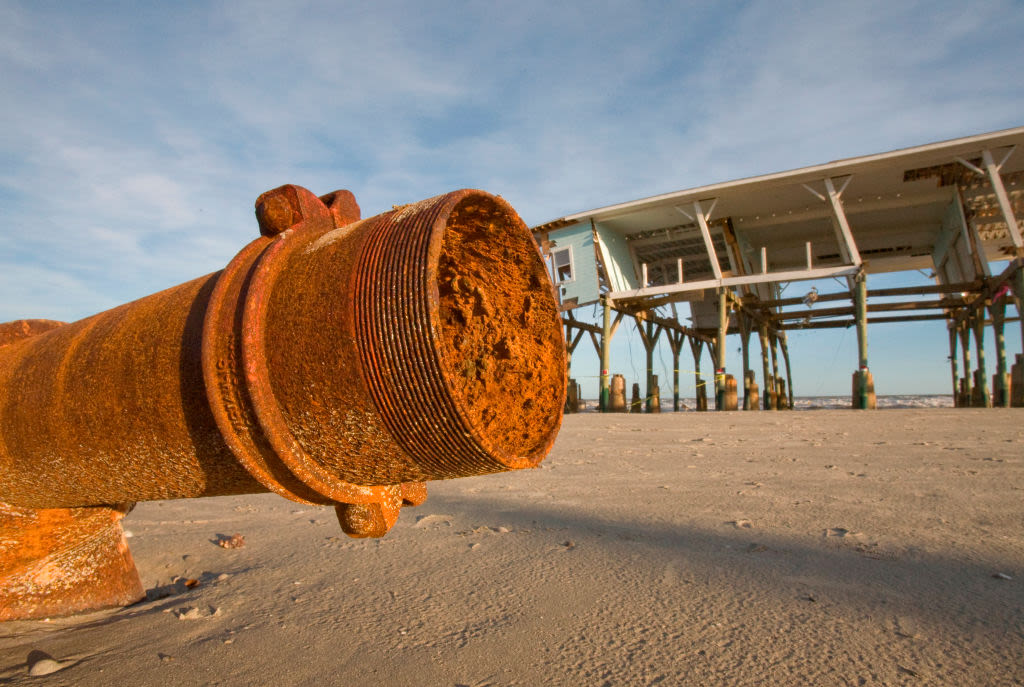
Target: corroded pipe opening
419,344
500,338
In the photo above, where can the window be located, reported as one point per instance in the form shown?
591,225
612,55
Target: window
562,259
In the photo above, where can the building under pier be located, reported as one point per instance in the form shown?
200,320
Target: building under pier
952,208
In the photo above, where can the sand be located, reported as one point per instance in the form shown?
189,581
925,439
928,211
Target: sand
822,547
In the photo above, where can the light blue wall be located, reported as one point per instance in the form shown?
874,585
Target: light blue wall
617,260
580,240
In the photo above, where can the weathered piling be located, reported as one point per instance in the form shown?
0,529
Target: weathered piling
864,397
636,404
1017,382
750,392
617,395
654,398
305,368
730,397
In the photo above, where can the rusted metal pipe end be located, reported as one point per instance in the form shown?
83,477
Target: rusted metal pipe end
443,317
59,561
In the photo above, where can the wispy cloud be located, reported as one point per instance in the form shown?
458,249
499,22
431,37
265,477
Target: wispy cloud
133,143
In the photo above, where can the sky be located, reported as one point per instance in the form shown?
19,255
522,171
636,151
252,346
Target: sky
135,136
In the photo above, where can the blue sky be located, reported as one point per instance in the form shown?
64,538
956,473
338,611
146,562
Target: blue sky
134,137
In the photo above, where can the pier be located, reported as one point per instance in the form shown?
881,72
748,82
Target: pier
952,209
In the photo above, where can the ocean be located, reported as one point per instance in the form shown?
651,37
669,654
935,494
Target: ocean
826,402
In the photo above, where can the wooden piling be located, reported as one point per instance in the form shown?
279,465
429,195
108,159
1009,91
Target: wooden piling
606,340
965,348
750,395
730,399
981,377
1001,379
864,391
636,404
700,389
953,366
720,346
1017,382
769,384
617,395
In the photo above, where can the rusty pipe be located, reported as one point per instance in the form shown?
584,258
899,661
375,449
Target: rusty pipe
333,361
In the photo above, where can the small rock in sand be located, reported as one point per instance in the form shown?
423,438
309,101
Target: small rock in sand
235,541
41,663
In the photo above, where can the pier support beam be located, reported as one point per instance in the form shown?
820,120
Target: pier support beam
966,391
784,342
605,353
675,341
953,359
723,328
700,388
649,334
984,400
862,399
769,381
1000,386
777,402
744,323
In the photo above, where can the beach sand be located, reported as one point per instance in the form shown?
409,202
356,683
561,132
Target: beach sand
826,547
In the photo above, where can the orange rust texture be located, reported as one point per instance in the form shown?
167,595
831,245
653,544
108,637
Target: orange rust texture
406,416
113,409
60,561
496,316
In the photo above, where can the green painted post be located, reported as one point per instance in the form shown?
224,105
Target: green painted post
769,382
723,328
965,346
953,365
979,344
606,338
1001,393
861,305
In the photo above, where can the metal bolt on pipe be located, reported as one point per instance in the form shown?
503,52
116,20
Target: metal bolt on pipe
334,361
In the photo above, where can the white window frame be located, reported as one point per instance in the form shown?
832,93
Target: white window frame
554,265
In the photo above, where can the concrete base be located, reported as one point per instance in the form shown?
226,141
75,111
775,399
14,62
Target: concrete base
868,400
60,561
654,402
617,395
1017,383
702,394
781,397
1001,397
729,397
636,404
751,399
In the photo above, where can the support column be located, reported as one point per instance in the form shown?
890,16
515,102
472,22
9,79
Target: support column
1000,389
777,401
953,365
981,383
769,382
1017,371
606,337
860,300
649,334
965,346
723,328
700,389
675,340
744,322
784,341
